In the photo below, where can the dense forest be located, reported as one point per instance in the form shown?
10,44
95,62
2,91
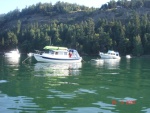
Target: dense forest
79,27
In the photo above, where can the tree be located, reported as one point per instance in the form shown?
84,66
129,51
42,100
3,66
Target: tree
112,4
105,41
139,4
3,41
147,43
18,26
138,48
136,24
12,39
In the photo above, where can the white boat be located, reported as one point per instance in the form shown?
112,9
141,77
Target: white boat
30,54
58,54
109,55
128,56
14,53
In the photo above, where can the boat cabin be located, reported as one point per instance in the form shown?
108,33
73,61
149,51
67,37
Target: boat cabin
110,52
71,53
58,52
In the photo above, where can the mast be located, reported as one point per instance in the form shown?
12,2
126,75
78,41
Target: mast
50,41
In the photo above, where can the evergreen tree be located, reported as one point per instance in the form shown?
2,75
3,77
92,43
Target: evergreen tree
12,39
147,43
138,48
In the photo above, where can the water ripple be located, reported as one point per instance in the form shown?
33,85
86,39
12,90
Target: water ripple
3,81
85,91
17,104
89,110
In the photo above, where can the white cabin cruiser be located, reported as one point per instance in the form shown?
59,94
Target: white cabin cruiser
58,54
128,56
109,55
14,53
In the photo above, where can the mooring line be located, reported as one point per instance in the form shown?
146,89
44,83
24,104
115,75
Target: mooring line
25,59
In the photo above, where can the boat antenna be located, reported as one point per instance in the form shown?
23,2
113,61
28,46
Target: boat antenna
50,41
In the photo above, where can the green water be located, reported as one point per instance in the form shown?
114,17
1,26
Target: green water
105,87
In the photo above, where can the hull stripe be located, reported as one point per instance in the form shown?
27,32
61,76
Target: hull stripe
57,58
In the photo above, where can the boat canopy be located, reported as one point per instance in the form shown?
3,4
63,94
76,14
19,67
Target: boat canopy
111,51
55,48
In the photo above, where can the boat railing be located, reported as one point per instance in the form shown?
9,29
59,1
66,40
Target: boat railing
39,52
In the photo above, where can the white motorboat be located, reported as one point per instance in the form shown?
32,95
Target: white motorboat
14,53
109,55
57,54
30,54
128,56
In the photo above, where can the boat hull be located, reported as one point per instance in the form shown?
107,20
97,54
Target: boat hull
12,54
107,56
42,58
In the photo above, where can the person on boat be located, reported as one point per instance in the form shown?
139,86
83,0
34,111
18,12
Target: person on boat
56,53
70,54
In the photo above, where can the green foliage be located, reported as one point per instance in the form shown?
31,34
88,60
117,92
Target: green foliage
130,36
147,43
138,48
131,4
12,39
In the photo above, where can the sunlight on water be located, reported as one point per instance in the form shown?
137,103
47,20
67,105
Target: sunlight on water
146,110
104,105
85,91
3,81
61,94
55,69
17,104
89,110
107,63
97,86
12,60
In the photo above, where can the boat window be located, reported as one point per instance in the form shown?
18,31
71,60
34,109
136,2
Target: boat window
65,53
51,52
56,53
46,51
61,53
112,53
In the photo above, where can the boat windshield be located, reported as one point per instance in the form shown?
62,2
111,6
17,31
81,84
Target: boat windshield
58,52
74,53
113,53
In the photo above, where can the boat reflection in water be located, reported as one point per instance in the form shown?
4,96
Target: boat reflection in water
11,66
112,63
13,54
107,63
57,69
14,61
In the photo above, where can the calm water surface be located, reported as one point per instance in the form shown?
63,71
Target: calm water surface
108,86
